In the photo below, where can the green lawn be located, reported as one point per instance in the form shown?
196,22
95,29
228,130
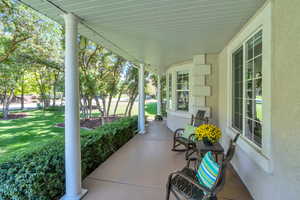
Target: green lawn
23,135
19,135
150,109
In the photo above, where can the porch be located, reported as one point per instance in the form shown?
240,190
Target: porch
139,170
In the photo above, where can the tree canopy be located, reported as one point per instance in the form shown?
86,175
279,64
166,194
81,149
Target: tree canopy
32,62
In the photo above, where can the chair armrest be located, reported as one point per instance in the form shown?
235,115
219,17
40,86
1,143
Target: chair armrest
196,160
191,181
192,137
206,119
178,132
189,161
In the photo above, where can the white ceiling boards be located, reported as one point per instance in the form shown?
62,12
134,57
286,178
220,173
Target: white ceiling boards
156,32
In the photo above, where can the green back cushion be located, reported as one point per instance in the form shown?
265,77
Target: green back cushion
188,130
208,171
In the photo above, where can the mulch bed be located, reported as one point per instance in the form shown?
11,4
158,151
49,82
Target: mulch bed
15,116
93,123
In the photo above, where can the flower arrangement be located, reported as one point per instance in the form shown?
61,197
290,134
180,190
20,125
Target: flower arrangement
208,132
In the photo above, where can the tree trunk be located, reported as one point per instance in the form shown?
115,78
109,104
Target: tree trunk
127,107
108,104
54,95
85,107
118,100
22,93
54,88
90,108
131,105
103,105
62,99
98,105
6,103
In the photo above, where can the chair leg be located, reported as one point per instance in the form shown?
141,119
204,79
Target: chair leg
176,145
168,188
188,153
175,195
213,198
168,194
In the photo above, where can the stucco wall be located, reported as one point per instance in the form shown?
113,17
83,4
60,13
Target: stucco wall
284,182
175,121
212,80
286,96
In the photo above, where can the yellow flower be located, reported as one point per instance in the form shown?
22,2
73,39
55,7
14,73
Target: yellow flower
211,132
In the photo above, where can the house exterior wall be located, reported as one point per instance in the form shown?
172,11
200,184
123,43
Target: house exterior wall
213,82
283,180
203,91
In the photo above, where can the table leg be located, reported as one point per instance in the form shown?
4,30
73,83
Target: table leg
216,156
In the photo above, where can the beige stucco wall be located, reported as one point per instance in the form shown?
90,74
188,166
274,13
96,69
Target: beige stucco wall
177,121
284,181
212,81
286,96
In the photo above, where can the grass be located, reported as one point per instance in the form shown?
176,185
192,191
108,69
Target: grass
25,134
21,135
150,109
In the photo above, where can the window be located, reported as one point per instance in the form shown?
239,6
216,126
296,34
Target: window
182,91
237,92
247,89
170,91
253,94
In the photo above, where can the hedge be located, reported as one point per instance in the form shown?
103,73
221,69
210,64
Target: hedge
39,175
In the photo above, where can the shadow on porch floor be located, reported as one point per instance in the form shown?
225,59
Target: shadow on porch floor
139,170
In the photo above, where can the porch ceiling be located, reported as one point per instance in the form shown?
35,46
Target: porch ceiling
155,32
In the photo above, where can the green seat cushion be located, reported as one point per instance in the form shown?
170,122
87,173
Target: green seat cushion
188,130
208,171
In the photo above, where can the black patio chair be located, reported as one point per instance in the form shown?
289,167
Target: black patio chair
184,184
188,143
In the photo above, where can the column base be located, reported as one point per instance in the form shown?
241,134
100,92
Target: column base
77,197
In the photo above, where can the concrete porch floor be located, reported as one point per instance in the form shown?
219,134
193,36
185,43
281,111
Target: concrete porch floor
139,170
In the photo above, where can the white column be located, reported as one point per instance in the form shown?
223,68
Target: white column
72,128
158,111
141,122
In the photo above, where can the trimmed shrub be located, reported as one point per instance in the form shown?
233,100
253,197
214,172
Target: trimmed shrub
40,175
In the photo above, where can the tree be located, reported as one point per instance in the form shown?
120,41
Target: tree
17,24
26,39
113,79
131,87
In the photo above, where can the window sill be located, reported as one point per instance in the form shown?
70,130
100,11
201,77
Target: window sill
256,154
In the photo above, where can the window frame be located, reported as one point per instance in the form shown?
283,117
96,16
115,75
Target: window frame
170,89
262,20
232,80
243,46
182,90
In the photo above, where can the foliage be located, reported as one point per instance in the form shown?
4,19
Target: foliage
29,45
163,92
208,131
31,62
40,174
19,136
151,108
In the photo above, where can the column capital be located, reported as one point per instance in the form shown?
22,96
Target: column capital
70,18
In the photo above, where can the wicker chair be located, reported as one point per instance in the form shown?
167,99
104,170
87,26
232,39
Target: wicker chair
184,184
188,143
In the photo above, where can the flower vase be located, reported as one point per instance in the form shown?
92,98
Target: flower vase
207,142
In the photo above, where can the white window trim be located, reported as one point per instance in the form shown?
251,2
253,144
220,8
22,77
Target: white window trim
170,106
180,90
185,67
262,20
